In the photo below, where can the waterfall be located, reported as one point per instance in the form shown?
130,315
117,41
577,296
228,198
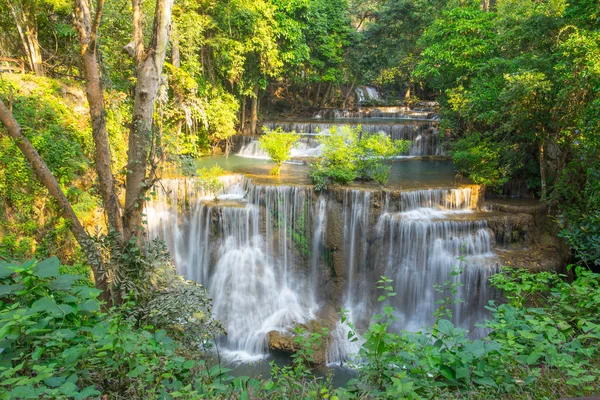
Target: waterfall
367,93
273,257
251,261
424,137
253,150
419,245
306,147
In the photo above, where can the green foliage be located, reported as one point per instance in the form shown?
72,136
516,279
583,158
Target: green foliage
209,179
375,153
480,159
144,274
28,215
543,343
346,157
278,145
59,344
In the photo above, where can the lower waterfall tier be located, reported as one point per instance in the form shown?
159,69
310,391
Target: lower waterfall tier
275,257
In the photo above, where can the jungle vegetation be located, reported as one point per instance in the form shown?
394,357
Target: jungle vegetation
114,92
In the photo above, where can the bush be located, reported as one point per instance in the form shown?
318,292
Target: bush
208,179
479,158
58,343
545,343
278,145
346,157
375,153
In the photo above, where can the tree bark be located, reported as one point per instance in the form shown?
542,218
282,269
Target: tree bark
149,65
175,54
49,181
254,111
543,170
243,115
88,34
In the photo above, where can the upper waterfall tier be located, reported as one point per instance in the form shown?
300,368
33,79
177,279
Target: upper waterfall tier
379,112
423,135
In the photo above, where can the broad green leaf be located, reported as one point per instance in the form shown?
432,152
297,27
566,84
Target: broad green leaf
10,289
532,358
55,381
485,381
6,269
87,393
47,268
445,326
64,282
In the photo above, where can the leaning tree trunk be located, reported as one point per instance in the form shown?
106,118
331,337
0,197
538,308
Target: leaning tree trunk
49,181
149,65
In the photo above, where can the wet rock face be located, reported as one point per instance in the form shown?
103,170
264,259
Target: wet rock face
282,341
536,258
513,229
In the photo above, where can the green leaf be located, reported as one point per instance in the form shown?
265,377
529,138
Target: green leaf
6,269
46,304
64,282
87,393
189,364
445,326
64,333
47,268
447,373
55,381
89,306
485,381
462,372
10,289
532,358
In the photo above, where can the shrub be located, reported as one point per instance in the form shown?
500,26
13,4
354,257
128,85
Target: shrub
58,343
208,179
346,157
278,145
375,153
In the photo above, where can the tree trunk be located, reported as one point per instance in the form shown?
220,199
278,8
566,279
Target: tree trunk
175,54
316,101
149,65
28,34
243,115
407,94
254,111
88,34
49,181
543,170
348,93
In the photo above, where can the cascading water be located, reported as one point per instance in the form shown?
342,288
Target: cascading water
425,139
273,257
308,147
366,93
242,254
420,248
